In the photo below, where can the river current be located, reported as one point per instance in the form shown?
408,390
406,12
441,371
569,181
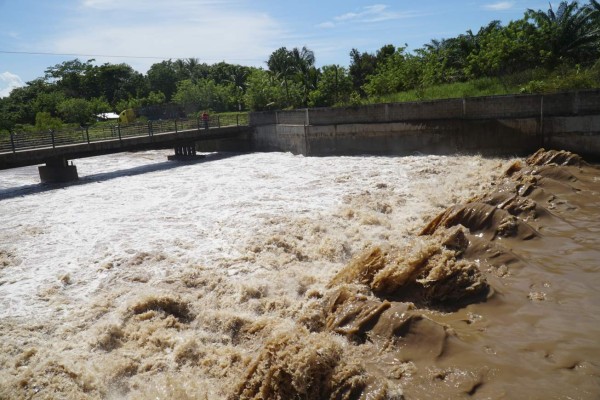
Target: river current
272,275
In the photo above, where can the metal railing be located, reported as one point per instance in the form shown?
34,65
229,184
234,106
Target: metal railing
15,141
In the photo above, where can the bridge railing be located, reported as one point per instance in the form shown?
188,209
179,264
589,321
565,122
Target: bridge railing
5,144
15,141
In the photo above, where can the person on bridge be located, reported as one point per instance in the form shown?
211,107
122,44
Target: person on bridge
205,119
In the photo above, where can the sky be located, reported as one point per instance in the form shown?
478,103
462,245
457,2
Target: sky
37,34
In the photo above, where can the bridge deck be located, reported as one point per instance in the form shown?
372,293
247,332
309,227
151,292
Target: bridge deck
80,146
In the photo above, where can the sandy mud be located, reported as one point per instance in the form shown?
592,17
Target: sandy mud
346,278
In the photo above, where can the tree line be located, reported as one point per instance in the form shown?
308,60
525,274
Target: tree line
545,50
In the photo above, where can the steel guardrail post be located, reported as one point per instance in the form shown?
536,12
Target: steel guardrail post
87,134
119,132
237,119
218,121
52,136
12,141
175,125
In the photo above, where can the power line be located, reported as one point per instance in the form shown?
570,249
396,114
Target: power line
75,54
106,55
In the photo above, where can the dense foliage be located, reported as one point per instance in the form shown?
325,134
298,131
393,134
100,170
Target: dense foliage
544,51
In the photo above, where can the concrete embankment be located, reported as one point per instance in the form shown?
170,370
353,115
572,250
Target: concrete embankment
497,125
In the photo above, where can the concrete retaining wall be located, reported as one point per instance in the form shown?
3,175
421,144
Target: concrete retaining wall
494,125
489,137
243,143
284,138
579,134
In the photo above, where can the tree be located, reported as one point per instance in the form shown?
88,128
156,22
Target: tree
48,102
76,110
204,95
384,52
362,65
99,105
571,34
281,66
70,77
181,70
262,92
114,82
302,64
505,50
398,72
20,104
162,77
294,66
188,95
153,99
201,71
237,78
216,97
7,116
334,87
45,121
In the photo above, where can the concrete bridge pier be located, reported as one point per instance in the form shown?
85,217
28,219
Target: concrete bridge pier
57,170
185,152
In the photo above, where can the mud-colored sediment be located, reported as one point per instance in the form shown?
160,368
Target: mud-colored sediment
498,298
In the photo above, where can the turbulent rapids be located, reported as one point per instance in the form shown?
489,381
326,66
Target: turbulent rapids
327,278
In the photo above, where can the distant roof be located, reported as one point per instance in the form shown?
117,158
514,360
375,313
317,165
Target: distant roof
109,115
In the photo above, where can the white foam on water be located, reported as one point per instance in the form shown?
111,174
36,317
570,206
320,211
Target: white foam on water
97,278
211,213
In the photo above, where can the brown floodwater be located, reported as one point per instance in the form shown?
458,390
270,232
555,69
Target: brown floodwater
498,298
272,276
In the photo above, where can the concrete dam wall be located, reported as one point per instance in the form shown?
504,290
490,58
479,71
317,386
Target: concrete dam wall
495,125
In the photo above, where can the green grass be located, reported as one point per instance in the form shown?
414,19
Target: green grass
474,88
529,81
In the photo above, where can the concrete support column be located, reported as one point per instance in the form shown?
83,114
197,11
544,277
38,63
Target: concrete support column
185,152
57,170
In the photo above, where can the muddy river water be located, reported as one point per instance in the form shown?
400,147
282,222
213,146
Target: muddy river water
274,276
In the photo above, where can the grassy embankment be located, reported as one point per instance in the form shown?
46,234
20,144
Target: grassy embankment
526,82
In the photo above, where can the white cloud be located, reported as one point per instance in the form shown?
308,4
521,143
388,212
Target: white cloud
157,7
500,6
98,4
368,14
211,31
9,81
326,25
347,16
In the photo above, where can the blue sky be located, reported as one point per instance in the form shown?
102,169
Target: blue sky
236,31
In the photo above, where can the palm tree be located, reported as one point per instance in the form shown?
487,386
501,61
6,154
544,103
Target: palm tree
303,62
594,8
190,66
237,77
293,64
571,32
281,65
181,69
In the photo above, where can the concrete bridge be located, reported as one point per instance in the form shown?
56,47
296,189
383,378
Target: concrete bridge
56,149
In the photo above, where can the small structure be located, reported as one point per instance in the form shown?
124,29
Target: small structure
127,116
57,170
107,116
185,152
